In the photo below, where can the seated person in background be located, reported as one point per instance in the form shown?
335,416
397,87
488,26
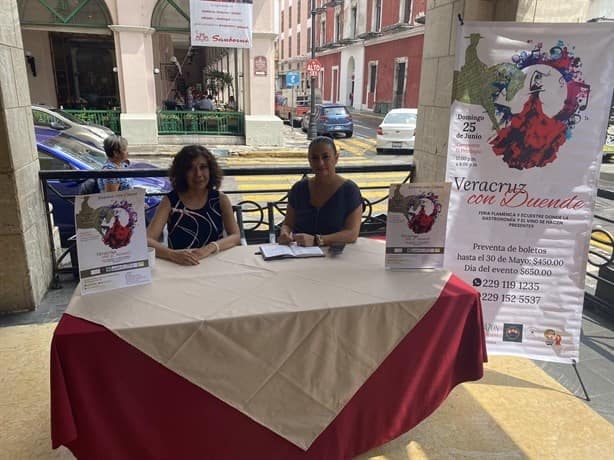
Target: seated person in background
232,104
116,148
199,217
179,101
205,103
325,209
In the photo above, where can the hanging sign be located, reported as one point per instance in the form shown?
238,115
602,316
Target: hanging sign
530,106
226,24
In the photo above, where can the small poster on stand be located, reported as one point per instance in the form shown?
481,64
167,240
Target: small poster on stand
111,240
416,225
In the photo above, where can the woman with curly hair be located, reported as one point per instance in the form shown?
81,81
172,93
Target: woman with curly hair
199,217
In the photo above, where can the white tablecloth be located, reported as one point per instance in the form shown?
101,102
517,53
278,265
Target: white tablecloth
286,342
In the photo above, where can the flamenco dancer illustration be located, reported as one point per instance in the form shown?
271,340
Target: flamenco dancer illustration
422,221
532,138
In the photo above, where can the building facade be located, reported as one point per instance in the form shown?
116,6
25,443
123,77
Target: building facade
136,56
370,50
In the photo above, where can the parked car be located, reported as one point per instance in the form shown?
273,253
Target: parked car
51,117
330,120
397,132
59,151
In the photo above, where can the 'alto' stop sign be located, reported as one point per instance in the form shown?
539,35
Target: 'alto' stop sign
313,67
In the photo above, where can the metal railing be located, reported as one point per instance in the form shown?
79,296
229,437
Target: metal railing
599,293
108,118
260,219
201,122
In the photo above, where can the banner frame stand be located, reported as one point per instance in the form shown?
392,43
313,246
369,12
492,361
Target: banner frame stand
575,368
573,360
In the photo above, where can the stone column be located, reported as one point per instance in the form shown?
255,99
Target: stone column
262,127
134,51
25,255
438,59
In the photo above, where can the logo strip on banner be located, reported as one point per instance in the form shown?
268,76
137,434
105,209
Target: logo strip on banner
226,24
528,119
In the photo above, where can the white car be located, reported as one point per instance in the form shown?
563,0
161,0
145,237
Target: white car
397,131
51,117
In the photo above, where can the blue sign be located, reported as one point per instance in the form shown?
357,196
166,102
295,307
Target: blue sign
292,79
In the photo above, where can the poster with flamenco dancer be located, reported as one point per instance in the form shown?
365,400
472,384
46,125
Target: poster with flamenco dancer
416,225
111,240
529,115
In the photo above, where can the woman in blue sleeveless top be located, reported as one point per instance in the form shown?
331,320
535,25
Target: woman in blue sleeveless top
325,209
199,217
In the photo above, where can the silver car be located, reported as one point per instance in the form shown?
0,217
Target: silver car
397,131
51,117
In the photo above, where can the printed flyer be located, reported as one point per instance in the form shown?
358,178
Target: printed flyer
221,23
416,225
530,110
111,240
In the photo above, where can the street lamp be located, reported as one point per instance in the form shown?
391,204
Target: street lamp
312,132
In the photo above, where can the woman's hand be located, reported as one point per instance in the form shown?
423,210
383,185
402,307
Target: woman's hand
183,257
304,239
285,237
205,251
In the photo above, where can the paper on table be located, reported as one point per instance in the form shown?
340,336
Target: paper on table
280,251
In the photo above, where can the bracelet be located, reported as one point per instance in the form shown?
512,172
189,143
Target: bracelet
291,236
217,247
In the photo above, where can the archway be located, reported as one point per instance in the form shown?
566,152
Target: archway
187,71
79,70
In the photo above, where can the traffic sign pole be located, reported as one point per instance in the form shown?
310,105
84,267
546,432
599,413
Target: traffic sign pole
313,129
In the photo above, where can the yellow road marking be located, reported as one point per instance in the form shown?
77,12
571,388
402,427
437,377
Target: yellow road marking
366,143
356,177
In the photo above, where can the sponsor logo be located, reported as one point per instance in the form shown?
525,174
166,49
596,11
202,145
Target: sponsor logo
201,37
512,332
491,329
552,337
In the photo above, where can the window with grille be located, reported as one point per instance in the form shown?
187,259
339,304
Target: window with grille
323,32
377,16
338,27
372,77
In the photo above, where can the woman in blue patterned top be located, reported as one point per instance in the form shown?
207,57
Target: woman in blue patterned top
325,209
116,148
199,217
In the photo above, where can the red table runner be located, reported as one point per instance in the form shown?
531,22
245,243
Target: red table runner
109,400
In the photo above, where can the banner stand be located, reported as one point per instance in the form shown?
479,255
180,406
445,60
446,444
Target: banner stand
517,88
573,361
575,368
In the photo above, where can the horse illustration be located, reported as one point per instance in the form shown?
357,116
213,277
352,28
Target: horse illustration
476,83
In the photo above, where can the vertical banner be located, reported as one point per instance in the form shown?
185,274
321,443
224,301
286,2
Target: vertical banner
221,23
111,240
416,225
530,109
